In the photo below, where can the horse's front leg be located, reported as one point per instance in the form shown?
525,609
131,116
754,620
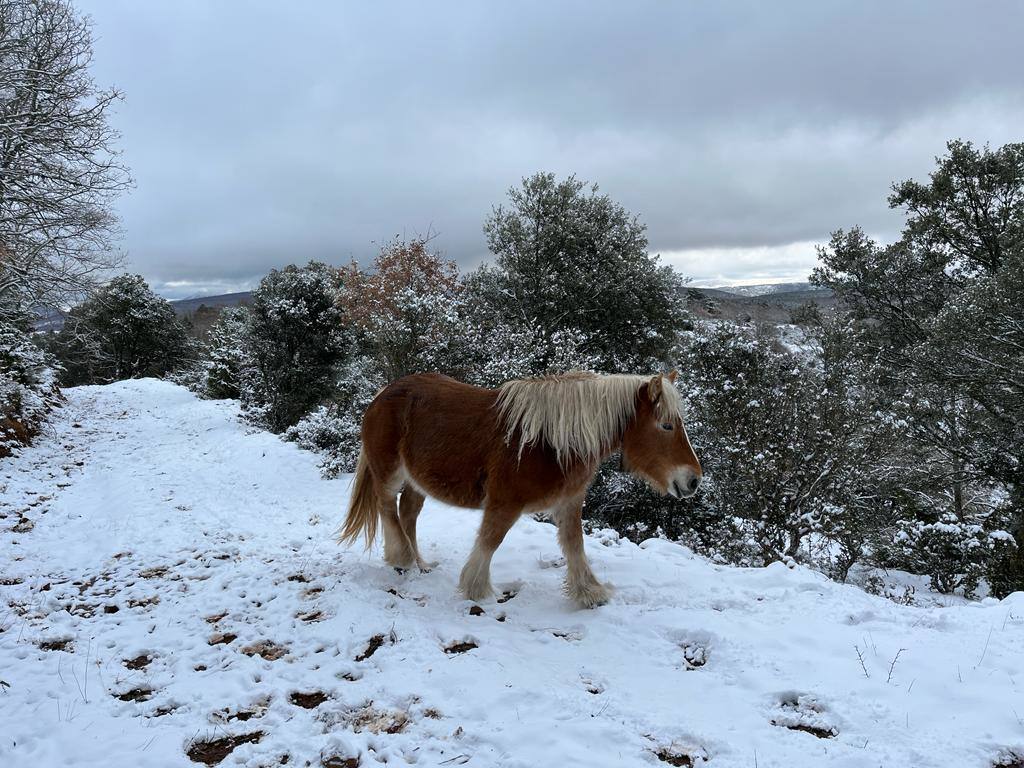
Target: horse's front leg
581,585
475,580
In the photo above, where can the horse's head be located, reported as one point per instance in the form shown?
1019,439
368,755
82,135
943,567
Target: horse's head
655,445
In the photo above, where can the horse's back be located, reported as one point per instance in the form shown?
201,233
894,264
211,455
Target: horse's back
439,431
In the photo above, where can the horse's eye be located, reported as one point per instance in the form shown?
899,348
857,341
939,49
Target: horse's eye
667,426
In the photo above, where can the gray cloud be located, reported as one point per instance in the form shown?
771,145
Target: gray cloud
263,133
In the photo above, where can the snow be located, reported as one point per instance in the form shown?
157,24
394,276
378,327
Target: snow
143,514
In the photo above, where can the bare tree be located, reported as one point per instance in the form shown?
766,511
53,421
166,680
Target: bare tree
59,171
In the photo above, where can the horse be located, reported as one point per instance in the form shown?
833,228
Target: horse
531,445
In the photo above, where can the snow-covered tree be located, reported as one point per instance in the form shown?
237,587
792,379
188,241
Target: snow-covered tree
570,259
406,310
27,384
780,435
121,331
295,343
59,171
227,353
942,312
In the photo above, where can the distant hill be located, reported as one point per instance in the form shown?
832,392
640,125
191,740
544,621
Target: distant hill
769,303
185,306
201,313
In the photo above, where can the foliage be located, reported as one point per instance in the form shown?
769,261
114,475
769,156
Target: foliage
27,386
572,260
60,171
334,429
941,314
227,355
295,342
122,331
406,311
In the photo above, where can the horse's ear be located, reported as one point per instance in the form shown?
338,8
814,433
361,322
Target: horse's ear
672,376
654,389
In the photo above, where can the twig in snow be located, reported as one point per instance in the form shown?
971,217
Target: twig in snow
893,665
860,658
985,649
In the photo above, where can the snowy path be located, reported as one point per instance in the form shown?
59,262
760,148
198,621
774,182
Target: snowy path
168,581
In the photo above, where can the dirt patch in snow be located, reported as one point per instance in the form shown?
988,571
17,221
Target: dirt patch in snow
141,693
57,644
266,649
462,647
372,647
379,721
139,662
211,752
308,700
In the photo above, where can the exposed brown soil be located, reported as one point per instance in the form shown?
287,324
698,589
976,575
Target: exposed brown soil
211,752
379,721
136,694
299,577
672,757
476,610
222,638
155,572
139,662
10,582
266,649
142,602
61,644
336,761
215,617
311,616
309,700
24,525
371,647
507,595
821,733
454,648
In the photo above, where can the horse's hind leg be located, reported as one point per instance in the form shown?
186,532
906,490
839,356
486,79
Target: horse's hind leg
397,549
475,580
409,505
581,585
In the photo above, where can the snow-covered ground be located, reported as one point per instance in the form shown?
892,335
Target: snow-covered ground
169,581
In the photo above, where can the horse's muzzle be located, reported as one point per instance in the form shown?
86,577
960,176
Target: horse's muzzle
684,483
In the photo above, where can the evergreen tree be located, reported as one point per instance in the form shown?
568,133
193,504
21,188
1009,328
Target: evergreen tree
122,331
572,260
296,341
228,354
942,310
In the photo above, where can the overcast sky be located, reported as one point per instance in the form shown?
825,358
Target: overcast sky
260,134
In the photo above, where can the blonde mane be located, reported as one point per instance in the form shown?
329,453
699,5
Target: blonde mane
579,414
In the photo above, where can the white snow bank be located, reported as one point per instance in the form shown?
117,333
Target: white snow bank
144,514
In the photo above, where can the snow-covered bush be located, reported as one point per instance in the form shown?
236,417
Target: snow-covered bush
780,436
27,384
333,429
954,554
122,331
295,342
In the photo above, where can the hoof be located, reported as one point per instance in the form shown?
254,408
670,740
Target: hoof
588,595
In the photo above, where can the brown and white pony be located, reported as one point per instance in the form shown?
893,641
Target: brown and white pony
531,445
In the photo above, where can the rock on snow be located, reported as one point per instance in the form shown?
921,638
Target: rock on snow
170,595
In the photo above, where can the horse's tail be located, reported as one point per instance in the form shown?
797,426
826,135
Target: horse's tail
364,507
